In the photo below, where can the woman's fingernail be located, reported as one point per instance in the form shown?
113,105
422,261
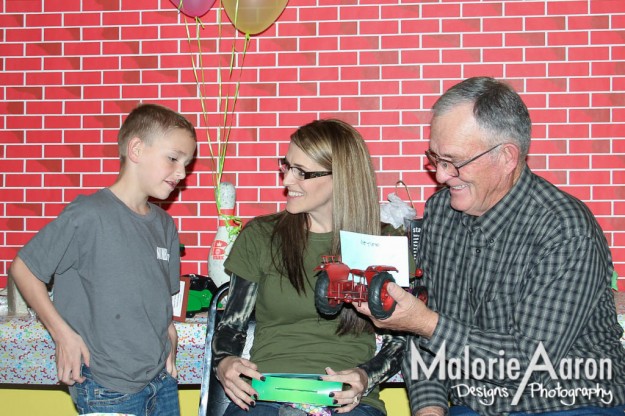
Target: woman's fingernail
335,401
263,378
331,394
253,404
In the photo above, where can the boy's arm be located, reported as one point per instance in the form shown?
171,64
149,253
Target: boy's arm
71,350
170,365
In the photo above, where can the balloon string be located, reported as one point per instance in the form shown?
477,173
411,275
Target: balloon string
235,97
180,7
200,81
236,13
219,168
226,102
233,224
229,103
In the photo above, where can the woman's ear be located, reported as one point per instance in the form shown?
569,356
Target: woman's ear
135,147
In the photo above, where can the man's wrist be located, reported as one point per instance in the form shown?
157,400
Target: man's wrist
431,323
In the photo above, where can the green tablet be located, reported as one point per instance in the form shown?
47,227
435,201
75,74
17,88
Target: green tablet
296,388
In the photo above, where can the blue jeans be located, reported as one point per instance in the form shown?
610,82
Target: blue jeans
581,411
272,409
158,398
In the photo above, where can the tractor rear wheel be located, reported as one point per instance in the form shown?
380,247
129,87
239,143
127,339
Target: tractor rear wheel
323,304
381,304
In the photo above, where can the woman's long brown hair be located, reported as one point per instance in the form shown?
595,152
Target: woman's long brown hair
338,147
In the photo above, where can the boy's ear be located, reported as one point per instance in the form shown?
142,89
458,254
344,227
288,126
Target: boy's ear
135,147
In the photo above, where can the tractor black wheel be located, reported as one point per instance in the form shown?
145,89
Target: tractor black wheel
381,304
321,296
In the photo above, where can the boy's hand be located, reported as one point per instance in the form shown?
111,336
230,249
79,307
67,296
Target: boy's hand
71,352
170,364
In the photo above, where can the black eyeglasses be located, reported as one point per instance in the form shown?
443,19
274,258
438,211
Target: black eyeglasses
298,173
450,167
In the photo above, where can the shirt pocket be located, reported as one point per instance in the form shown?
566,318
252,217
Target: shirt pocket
494,313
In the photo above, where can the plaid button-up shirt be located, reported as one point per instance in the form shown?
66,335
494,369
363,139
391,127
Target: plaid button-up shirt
536,268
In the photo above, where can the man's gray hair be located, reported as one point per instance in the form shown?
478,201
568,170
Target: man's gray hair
497,108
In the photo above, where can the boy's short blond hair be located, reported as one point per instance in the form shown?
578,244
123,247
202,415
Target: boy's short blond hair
148,121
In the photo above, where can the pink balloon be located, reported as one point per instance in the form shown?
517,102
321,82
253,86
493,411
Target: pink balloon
193,8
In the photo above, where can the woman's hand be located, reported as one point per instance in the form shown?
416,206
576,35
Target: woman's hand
229,372
348,399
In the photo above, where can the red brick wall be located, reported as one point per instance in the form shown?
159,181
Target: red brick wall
72,69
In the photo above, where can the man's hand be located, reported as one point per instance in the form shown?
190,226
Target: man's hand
430,411
410,315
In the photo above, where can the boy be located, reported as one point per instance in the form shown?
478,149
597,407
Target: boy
115,261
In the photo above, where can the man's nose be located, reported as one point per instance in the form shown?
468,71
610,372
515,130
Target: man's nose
441,174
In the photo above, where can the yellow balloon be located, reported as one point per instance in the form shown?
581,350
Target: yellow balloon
253,16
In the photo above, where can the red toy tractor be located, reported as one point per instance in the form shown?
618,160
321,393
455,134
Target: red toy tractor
334,286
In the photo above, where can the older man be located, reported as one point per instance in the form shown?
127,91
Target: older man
521,316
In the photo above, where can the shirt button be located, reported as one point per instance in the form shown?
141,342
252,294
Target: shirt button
478,251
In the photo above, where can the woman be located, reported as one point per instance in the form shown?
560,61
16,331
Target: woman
272,264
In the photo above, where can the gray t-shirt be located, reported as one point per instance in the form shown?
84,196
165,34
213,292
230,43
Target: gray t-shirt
114,273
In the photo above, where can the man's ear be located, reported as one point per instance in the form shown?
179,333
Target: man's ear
134,149
510,155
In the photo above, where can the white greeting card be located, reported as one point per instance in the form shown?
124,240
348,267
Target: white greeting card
360,251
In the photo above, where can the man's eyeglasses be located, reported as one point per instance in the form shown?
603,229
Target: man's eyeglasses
298,173
450,167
